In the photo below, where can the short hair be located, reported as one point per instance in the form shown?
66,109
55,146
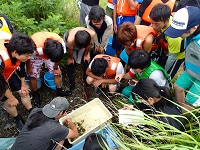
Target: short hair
139,59
54,50
21,43
95,141
126,33
99,66
97,13
3,86
82,39
160,12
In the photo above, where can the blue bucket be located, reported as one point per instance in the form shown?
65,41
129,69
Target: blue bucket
109,50
49,80
39,82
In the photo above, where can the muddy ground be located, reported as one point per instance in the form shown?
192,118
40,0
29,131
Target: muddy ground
79,97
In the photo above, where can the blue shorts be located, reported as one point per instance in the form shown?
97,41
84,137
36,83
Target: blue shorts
192,86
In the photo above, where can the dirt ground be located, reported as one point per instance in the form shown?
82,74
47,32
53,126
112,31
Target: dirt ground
79,97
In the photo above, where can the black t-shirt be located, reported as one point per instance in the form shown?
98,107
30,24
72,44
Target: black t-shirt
91,2
184,3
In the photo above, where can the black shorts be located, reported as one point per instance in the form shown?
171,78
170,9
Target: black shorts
14,84
115,44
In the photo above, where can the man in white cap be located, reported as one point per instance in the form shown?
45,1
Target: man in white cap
42,127
186,24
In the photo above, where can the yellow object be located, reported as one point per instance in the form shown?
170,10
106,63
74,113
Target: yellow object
4,27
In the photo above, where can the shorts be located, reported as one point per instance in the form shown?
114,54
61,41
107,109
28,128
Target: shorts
187,82
14,84
36,65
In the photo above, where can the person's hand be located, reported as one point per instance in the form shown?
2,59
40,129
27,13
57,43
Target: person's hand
103,85
127,107
13,102
70,61
115,27
87,58
119,77
24,89
57,72
132,82
96,83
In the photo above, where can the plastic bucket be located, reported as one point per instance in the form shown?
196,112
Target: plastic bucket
109,50
49,80
39,82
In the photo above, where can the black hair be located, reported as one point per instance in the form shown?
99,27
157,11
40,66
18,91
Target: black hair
54,50
21,43
95,141
139,59
97,13
3,86
37,119
82,39
99,66
146,88
160,12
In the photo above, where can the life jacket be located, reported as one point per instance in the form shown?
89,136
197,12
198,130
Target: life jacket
9,68
123,8
192,58
112,66
40,38
142,32
153,66
111,1
147,11
6,28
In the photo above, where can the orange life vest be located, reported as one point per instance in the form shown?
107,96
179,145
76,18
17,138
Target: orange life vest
112,67
40,38
111,1
123,8
9,68
147,11
142,32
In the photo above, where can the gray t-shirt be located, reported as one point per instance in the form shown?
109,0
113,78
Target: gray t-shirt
39,138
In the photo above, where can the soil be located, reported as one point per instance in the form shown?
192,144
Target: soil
80,96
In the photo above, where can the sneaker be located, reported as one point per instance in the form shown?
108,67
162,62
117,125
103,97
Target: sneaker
36,99
19,125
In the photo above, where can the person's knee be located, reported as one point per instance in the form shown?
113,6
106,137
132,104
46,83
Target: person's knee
89,80
177,88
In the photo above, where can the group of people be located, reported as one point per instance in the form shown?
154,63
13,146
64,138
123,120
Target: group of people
151,38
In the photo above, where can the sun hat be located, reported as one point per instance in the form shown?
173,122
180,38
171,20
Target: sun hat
57,105
183,20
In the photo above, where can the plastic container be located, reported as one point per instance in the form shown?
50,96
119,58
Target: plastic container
93,114
109,50
107,133
49,80
39,82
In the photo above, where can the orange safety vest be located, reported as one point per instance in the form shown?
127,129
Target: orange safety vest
111,1
123,8
112,67
147,11
40,38
142,32
9,68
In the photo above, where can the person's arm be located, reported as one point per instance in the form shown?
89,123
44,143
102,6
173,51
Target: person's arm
107,33
70,53
87,49
73,131
12,101
147,44
133,4
170,61
114,18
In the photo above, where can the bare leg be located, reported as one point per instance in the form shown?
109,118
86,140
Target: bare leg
26,101
11,110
